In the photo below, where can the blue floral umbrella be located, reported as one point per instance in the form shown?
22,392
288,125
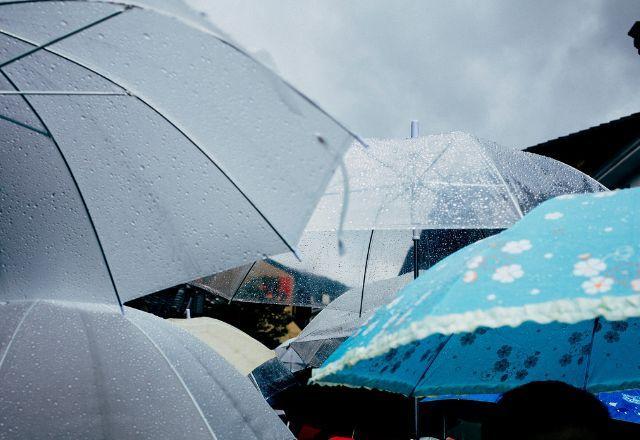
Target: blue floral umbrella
548,298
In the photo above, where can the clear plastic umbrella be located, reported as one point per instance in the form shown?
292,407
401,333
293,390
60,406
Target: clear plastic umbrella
336,322
93,373
138,151
448,190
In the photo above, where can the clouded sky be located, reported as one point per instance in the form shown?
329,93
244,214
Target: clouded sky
517,72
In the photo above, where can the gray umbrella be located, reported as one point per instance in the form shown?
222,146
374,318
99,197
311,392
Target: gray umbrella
445,191
138,151
80,370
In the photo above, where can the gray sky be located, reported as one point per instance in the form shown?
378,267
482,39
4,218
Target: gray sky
517,72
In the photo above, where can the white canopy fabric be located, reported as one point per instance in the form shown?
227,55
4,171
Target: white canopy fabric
85,370
138,151
238,348
453,188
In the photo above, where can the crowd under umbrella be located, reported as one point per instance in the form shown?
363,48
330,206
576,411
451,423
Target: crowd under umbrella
336,322
555,297
248,355
92,372
449,190
126,168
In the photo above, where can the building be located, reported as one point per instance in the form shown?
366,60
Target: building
609,152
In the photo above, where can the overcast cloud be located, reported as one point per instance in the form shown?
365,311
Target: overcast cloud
517,72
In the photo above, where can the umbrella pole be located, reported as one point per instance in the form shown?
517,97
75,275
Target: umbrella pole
415,132
416,426
416,257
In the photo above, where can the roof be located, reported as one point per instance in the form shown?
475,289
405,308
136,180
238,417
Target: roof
599,150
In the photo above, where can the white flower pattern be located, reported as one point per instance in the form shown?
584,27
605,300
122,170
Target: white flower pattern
508,273
475,262
553,216
596,285
516,247
589,267
635,284
470,276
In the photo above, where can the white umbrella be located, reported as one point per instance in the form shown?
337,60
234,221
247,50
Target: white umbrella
81,370
138,151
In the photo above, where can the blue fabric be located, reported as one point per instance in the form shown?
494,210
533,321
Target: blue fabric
622,405
515,307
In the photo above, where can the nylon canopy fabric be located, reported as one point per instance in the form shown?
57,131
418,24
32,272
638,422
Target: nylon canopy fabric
238,348
127,169
454,188
248,355
94,373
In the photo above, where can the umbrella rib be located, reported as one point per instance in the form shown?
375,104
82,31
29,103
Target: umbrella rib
242,282
179,377
15,332
490,162
60,38
364,276
424,373
60,92
75,182
289,246
23,125
596,322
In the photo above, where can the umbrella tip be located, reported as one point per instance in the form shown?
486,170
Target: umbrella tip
415,128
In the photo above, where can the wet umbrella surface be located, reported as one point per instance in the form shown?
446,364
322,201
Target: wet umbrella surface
139,151
78,370
453,189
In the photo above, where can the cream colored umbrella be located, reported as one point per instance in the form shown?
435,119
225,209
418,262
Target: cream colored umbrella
248,355
238,348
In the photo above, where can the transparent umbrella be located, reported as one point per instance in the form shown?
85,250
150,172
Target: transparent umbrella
93,373
336,322
446,190
140,151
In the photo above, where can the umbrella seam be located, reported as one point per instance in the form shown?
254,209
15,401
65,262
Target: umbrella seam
75,182
512,197
242,282
426,370
60,38
364,275
596,322
175,126
15,332
179,377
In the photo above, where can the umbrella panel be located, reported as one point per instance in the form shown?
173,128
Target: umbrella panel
74,377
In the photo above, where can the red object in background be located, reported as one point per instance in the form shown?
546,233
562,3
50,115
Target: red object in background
340,438
285,286
308,432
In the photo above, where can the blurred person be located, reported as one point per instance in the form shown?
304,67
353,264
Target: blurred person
549,410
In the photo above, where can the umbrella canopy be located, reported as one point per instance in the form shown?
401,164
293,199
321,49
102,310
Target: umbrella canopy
545,299
454,187
140,151
339,320
94,373
622,405
248,355
290,358
238,348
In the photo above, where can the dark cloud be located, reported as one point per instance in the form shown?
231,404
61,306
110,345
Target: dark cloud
515,72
